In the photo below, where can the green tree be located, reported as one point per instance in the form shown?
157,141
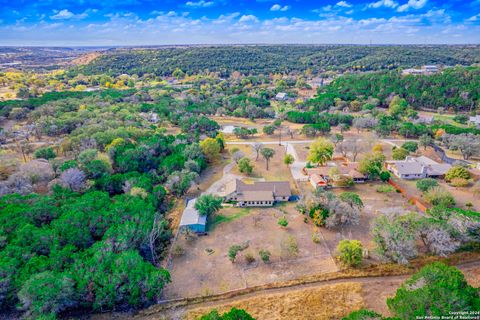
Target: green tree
397,106
436,290
288,159
245,166
210,148
267,154
410,146
264,255
372,164
385,176
352,199
364,314
208,204
320,151
399,153
350,252
44,153
425,141
426,184
233,314
47,293
269,130
457,172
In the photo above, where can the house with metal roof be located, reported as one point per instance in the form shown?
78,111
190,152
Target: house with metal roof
192,220
258,194
417,168
281,96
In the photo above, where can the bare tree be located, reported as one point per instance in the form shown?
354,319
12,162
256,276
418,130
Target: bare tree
74,178
257,147
237,156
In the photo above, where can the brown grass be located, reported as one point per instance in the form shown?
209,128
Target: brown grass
326,302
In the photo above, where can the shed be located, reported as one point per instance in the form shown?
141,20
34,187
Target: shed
282,96
192,220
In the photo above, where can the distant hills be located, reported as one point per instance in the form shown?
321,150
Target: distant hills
264,59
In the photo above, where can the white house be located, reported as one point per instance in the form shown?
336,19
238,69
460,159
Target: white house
475,121
281,96
417,168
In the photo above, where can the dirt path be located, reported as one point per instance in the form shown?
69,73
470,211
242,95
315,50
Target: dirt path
376,288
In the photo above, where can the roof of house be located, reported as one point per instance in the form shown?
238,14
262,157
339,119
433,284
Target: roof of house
191,216
278,188
281,95
418,165
256,196
475,119
317,179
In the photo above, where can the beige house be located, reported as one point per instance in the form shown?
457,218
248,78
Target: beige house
258,194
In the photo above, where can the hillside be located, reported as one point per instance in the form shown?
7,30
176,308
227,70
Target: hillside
276,58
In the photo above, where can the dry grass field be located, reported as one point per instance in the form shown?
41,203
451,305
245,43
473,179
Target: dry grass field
326,302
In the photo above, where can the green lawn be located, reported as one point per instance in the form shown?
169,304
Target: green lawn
219,218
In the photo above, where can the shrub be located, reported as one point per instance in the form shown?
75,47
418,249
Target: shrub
316,238
363,314
399,153
233,314
264,255
233,251
385,188
459,182
385,176
426,184
244,166
411,146
249,258
457,172
45,153
282,222
438,196
350,252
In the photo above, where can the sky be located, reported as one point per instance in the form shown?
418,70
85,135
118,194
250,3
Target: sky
157,22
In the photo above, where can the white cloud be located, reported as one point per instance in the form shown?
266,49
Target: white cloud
474,18
199,4
249,18
277,7
383,3
66,14
412,4
343,4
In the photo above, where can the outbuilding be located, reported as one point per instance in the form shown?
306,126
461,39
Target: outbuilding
192,220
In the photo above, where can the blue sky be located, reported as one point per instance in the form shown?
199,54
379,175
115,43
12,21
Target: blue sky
149,22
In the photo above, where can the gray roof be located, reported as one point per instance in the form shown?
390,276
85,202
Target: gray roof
419,165
279,188
191,216
475,119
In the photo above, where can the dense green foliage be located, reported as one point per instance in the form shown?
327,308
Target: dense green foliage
89,250
436,290
233,314
276,59
456,88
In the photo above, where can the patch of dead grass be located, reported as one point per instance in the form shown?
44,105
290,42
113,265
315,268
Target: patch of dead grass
326,302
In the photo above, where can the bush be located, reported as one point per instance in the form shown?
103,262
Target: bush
249,258
244,166
426,184
385,176
264,255
316,238
399,153
459,182
438,196
457,172
385,188
233,251
363,315
233,314
282,222
45,153
350,252
410,146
